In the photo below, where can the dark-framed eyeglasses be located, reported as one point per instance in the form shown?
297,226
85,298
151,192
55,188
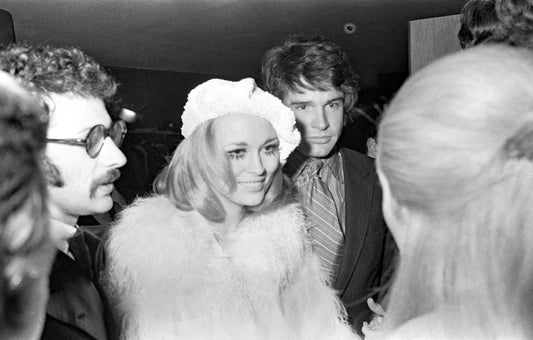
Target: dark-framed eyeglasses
96,138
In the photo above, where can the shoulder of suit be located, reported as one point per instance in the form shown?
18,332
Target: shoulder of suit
361,164
357,156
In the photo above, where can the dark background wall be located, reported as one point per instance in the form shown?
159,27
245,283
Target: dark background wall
158,97
7,33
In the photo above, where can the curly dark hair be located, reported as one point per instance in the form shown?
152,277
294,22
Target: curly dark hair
48,68
23,124
517,16
479,24
314,60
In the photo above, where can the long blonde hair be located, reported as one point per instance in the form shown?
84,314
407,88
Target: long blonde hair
195,172
453,146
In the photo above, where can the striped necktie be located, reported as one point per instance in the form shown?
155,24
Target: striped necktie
321,212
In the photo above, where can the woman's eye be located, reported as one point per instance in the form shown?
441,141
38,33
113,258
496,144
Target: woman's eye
272,149
236,154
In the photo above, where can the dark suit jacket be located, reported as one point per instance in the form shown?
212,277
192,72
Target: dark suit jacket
77,307
369,250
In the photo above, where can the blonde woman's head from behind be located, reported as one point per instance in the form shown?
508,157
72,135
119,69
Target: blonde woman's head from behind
455,159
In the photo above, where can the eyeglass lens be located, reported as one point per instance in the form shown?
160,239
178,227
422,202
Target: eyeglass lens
117,132
98,134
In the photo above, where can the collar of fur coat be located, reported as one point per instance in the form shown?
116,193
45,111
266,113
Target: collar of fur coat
154,244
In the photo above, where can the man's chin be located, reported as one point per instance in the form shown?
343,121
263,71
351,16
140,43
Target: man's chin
316,151
101,205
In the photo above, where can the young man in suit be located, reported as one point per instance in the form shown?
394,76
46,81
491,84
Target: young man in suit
337,187
81,163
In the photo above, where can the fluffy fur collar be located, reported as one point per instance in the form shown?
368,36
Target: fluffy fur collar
174,277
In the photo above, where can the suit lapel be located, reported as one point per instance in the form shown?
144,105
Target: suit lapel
358,197
74,298
78,248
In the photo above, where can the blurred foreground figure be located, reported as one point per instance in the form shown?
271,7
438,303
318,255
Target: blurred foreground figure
455,159
26,251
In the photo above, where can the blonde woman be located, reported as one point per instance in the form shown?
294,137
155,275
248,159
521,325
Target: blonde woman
221,251
455,159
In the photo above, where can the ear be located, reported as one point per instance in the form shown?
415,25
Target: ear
371,146
48,103
393,212
388,202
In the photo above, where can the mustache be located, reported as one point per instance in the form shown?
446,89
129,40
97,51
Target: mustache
109,177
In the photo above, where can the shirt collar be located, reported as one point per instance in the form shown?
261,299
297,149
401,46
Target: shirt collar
334,163
297,163
61,233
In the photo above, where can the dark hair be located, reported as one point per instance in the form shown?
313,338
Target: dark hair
47,68
517,16
26,250
23,216
313,60
479,24
22,139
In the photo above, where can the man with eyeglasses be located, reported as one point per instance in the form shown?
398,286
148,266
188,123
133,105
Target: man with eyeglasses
81,163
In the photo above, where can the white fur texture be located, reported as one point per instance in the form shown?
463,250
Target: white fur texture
174,280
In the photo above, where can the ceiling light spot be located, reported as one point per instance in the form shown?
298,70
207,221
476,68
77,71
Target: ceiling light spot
350,28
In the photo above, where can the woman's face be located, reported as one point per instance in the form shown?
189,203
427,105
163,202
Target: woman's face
251,145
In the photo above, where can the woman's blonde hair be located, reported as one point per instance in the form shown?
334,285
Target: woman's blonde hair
198,170
456,147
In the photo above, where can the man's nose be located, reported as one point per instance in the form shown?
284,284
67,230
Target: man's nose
111,155
320,120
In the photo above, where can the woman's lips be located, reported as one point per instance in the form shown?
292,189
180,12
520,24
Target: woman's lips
253,185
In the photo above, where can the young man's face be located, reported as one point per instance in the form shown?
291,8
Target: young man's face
85,183
319,117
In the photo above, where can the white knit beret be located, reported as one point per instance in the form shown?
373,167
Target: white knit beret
217,97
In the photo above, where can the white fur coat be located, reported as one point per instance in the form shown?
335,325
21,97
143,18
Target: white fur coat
175,279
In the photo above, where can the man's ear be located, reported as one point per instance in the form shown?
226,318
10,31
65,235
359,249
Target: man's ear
392,211
48,103
371,147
